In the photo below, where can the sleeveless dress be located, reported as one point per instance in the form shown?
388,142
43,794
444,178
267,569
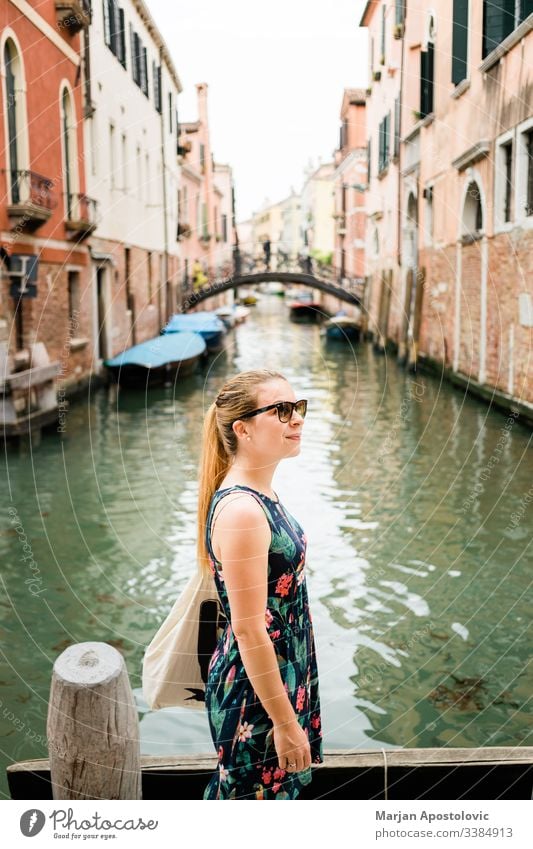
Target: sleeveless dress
240,727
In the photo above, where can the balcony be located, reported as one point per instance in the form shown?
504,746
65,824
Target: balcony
74,16
32,200
81,218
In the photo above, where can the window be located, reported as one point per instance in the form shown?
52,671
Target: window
459,41
70,156
500,18
73,301
139,64
205,232
472,212
368,165
10,60
426,80
114,29
344,134
156,77
384,132
202,157
185,204
224,228
170,112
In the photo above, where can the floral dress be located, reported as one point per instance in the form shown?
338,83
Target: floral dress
240,727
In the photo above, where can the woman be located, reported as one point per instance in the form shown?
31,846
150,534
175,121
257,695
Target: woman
262,693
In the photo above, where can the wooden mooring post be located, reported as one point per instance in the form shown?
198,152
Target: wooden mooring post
93,726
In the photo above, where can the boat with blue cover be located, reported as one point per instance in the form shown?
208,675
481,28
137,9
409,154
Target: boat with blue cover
157,360
208,325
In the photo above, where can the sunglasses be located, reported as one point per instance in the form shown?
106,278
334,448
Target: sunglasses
285,410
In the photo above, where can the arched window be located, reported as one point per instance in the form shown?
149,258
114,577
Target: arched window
15,112
69,144
472,211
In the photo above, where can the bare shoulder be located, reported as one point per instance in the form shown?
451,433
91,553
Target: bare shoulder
241,529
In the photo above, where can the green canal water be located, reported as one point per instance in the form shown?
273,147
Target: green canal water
417,505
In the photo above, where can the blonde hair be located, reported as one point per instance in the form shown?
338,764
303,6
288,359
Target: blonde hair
219,442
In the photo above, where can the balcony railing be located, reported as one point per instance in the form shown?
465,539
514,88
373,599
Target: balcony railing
73,16
81,214
32,199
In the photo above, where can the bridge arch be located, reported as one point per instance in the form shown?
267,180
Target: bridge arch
349,296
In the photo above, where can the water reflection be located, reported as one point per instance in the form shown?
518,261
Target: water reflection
420,579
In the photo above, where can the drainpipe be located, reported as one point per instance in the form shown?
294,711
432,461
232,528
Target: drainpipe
170,307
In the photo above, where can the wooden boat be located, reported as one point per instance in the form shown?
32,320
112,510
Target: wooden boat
249,298
205,323
157,360
241,314
227,315
394,774
305,309
342,328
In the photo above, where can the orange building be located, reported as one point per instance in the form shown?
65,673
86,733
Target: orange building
44,212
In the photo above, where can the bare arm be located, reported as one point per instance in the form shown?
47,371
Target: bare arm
243,536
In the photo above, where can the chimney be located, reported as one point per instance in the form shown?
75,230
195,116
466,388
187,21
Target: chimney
201,89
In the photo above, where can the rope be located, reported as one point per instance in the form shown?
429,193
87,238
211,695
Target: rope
385,779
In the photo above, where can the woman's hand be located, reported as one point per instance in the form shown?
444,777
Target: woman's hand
292,746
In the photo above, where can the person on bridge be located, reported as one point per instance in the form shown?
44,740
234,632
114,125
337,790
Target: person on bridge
262,691
199,278
267,253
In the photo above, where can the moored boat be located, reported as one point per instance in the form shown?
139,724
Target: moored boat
207,324
342,328
157,360
441,773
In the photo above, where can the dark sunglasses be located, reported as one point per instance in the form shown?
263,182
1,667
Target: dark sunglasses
285,410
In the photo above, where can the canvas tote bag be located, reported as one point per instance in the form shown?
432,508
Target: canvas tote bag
175,663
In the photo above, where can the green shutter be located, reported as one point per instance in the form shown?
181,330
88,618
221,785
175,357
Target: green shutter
400,11
107,28
526,9
426,80
498,23
459,41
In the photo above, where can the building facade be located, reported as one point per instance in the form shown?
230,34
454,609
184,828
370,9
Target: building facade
350,184
461,294
317,210
131,141
45,214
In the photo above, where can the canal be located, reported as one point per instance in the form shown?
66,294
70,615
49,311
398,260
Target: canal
417,505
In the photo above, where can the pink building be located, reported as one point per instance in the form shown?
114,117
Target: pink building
205,227
349,183
451,194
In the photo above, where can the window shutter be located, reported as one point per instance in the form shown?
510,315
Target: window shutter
459,41
498,23
383,20
107,27
426,81
400,11
144,70
133,54
526,9
121,37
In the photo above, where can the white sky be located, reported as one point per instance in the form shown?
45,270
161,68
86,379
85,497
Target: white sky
276,72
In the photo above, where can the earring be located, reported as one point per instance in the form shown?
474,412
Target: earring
248,438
